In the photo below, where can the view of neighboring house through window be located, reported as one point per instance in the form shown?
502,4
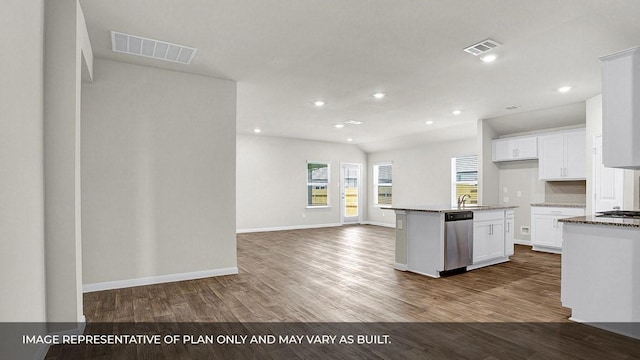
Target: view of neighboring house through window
382,184
464,178
317,184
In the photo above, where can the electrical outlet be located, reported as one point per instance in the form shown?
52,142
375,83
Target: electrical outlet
304,215
505,199
505,190
519,193
525,230
383,212
399,225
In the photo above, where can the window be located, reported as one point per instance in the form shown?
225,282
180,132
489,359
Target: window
464,178
382,184
317,184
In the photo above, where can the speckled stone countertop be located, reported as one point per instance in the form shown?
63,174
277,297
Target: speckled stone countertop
449,208
566,205
606,221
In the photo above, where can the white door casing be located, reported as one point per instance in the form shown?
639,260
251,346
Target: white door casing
350,188
608,183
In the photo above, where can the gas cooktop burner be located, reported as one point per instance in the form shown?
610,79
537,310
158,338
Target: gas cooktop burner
620,214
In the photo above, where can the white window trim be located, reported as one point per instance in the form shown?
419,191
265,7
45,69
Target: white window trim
454,200
328,184
375,184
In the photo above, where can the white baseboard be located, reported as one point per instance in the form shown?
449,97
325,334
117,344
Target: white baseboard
488,263
522,242
393,226
118,284
401,267
43,349
281,228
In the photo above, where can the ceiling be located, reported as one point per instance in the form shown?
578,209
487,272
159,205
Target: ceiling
285,54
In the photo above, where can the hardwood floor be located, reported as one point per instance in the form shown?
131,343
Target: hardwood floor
345,274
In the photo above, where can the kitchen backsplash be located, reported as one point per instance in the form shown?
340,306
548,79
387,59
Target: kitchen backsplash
573,192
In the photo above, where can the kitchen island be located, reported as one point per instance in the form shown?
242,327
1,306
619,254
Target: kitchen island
600,279
420,234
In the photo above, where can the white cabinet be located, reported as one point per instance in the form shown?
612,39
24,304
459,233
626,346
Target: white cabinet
621,109
516,148
509,224
562,155
488,235
546,231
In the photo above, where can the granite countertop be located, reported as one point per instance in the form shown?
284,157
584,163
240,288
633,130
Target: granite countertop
567,205
449,208
606,221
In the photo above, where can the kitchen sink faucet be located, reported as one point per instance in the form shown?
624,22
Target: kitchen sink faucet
462,199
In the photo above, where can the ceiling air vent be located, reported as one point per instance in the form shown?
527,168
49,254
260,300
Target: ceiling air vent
155,49
482,47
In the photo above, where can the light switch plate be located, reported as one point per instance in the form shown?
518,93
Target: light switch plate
399,225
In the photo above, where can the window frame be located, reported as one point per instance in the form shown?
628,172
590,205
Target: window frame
328,204
375,172
455,182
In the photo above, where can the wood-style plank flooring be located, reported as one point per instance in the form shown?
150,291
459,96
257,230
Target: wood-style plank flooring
345,274
341,274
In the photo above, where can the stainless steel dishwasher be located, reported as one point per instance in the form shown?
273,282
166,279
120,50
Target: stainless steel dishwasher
458,239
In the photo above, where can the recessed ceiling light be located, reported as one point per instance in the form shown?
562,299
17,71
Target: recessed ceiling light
513,107
257,131
339,126
429,122
353,122
319,103
564,89
378,95
349,139
456,112
489,58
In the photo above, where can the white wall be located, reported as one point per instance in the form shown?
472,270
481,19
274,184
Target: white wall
64,29
22,265
522,177
158,173
421,175
21,163
488,171
272,183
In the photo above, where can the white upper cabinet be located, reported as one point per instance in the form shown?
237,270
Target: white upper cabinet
516,148
562,155
621,109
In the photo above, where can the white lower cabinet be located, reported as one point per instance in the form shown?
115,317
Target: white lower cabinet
509,223
488,235
546,231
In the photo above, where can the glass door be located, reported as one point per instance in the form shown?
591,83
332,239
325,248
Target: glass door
350,193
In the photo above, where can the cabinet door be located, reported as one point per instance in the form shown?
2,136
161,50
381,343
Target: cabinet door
503,150
551,156
527,148
508,236
543,230
481,233
495,244
488,240
575,155
558,237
